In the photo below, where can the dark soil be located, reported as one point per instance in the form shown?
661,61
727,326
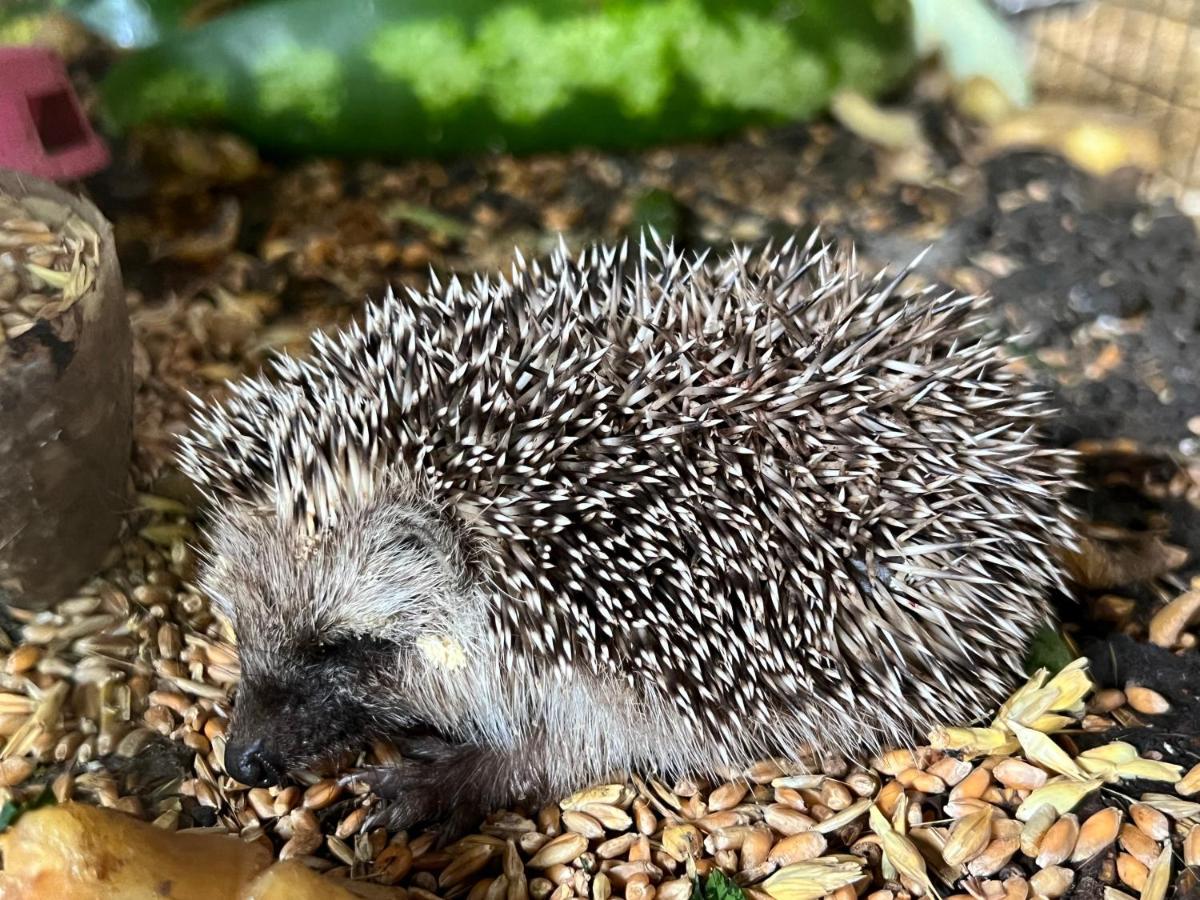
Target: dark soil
1089,257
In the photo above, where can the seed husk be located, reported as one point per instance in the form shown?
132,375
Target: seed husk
1016,773
1097,833
843,818
1158,879
968,838
1190,783
612,794
393,863
1167,625
810,880
727,796
1146,701
321,794
681,842
562,849
466,864
14,771
1174,807
1191,847
1061,793
581,823
1139,844
898,850
1152,822
611,817
1035,829
340,849
1052,881
1132,871
756,847
787,821
798,848
1059,842
994,857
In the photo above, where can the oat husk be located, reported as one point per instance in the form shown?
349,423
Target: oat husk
65,391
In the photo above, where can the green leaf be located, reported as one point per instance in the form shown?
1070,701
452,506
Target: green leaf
10,812
449,77
718,887
1050,649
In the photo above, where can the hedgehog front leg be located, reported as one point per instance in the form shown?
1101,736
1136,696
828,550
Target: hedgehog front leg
453,785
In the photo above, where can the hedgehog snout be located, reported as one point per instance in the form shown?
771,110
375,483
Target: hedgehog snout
254,764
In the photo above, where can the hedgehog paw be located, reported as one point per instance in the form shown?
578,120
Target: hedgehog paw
417,794
415,809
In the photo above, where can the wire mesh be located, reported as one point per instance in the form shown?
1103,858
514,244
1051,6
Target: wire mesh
1141,57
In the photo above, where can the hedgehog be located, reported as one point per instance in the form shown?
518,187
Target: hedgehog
631,509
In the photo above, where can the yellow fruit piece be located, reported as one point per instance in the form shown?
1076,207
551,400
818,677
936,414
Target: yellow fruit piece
74,850
292,880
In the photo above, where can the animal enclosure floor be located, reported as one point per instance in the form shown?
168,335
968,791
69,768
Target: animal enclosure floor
228,257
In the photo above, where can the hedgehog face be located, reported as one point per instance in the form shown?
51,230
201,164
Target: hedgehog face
331,627
303,703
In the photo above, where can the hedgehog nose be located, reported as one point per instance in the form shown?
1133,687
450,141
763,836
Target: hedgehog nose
254,765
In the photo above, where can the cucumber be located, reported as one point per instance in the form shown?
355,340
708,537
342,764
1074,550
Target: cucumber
449,77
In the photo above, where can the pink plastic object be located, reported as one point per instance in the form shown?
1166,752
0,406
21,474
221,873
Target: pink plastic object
43,130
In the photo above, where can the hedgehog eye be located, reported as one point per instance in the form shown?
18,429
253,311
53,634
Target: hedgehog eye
321,651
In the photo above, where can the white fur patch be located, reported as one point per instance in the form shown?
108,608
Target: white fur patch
443,652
